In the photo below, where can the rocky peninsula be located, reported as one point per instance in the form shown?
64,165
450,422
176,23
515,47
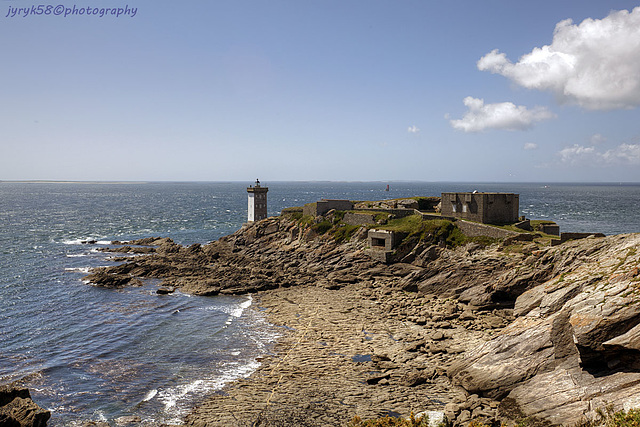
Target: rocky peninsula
494,330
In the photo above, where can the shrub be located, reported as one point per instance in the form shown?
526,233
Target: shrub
608,418
322,227
390,422
338,216
344,232
625,419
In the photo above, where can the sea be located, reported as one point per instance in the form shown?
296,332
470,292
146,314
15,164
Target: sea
89,353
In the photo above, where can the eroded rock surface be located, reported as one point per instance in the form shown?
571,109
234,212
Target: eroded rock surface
573,347
18,410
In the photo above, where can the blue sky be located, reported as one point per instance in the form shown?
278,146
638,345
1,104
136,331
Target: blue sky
322,90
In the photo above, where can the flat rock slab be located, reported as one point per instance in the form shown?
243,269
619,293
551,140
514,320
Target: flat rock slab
319,375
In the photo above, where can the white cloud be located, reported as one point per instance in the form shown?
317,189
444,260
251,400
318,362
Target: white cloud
576,153
597,139
530,146
595,64
503,115
622,155
413,129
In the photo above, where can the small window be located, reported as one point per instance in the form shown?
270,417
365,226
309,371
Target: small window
454,207
377,242
465,208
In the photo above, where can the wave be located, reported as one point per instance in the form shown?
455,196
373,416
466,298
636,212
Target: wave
235,311
86,240
150,395
178,400
85,270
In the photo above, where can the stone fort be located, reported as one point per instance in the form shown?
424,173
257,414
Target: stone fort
486,208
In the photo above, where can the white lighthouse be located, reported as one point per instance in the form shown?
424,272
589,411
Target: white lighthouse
257,207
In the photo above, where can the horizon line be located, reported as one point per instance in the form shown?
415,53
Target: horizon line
58,181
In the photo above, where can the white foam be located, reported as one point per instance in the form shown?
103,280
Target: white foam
74,241
84,240
150,395
85,270
240,308
173,397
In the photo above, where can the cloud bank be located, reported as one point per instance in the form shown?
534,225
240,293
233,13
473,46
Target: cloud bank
622,155
503,115
595,65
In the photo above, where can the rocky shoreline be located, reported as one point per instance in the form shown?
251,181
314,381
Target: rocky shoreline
496,333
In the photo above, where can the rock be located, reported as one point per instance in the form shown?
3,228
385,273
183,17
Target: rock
164,290
413,378
437,336
573,347
378,378
452,408
464,417
386,365
17,409
128,419
104,279
467,315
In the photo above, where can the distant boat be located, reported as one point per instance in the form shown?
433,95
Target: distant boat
387,189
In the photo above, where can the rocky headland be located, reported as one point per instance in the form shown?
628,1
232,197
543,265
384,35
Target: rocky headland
485,329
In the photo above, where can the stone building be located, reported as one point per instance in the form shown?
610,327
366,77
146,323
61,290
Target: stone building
257,208
487,208
323,206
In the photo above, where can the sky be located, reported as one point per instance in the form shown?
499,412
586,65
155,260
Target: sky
341,90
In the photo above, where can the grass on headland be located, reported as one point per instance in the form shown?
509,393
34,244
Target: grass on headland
414,227
433,230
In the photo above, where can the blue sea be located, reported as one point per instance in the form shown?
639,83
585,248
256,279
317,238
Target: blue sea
89,353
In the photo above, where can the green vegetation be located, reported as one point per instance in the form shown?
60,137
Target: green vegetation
344,232
292,213
338,216
415,229
609,418
605,418
390,422
622,260
623,419
322,227
435,230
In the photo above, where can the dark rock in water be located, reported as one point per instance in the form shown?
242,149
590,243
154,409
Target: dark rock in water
130,250
107,280
165,290
18,410
89,242
150,241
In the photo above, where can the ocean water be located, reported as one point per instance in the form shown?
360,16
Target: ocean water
89,353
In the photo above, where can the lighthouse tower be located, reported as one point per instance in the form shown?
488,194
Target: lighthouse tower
257,202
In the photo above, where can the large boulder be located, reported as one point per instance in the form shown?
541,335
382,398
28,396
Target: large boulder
18,410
